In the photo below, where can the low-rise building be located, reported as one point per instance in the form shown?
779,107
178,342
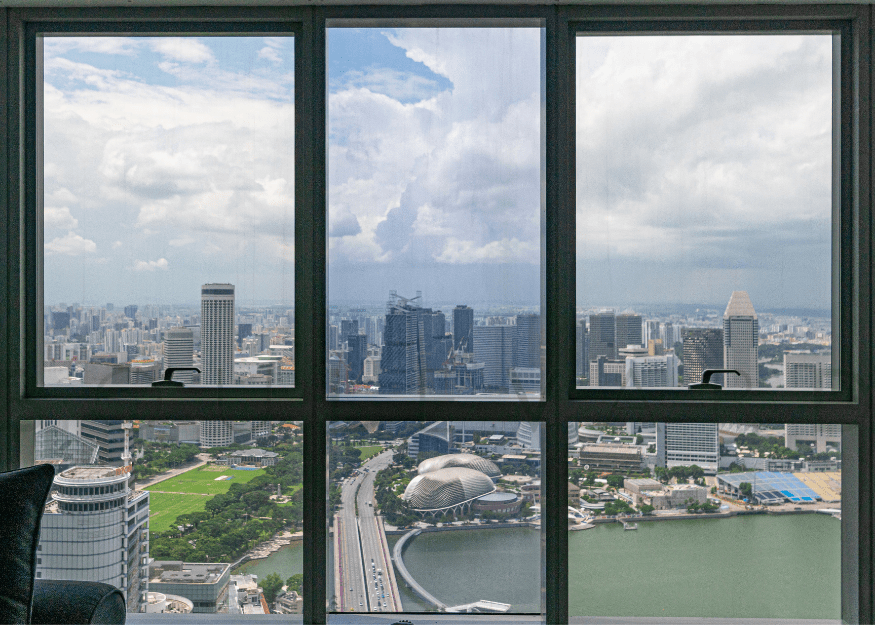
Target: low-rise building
253,457
676,496
245,595
619,458
502,502
205,584
288,602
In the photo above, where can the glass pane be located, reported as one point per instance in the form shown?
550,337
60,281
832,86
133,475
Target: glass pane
182,516
705,203
435,516
749,520
168,210
434,212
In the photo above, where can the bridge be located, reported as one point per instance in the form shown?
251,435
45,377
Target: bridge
408,578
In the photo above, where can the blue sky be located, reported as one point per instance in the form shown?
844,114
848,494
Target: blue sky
703,167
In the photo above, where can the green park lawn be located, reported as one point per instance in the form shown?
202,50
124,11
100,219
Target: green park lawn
165,507
370,451
204,481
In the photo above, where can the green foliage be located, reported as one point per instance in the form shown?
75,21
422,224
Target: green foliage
615,480
618,507
746,489
271,585
646,509
296,583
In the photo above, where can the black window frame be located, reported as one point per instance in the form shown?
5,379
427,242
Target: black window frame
307,402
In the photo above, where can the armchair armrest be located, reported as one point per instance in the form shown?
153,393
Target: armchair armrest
59,602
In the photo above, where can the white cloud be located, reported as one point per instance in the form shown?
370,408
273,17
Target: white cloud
151,265
183,49
59,217
117,245
503,251
72,244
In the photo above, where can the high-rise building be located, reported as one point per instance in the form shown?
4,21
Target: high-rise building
495,349
131,311
217,433
703,349
527,342
347,327
109,436
357,347
463,328
652,372
668,337
807,370
605,371
629,330
217,333
602,337
581,368
820,436
179,352
685,444
145,371
528,434
740,342
96,529
403,366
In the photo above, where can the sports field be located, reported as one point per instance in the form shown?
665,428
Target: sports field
165,507
370,451
203,480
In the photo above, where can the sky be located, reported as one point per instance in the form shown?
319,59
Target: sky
703,166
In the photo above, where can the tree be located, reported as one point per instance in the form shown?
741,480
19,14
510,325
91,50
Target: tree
271,585
745,489
296,583
646,509
615,480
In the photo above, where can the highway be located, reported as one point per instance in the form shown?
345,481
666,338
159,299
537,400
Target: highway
363,565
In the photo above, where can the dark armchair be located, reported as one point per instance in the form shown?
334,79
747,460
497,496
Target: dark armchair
22,598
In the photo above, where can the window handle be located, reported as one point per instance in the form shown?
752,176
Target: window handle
706,383
168,377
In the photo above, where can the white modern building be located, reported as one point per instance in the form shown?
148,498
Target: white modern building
821,436
807,370
216,433
652,372
95,528
740,342
217,333
528,434
179,352
685,444
493,345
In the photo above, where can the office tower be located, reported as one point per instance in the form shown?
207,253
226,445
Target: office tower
347,327
807,370
573,436
819,436
260,429
581,362
438,343
333,337
145,371
60,320
629,330
216,433
131,311
357,348
463,328
685,444
652,372
495,349
109,436
528,435
703,349
179,352
527,342
654,348
740,342
602,337
403,366
244,330
217,333
605,371
668,338
96,529
651,330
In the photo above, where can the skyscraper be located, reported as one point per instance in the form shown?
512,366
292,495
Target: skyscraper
582,350
357,345
495,348
527,342
463,328
685,444
217,333
403,362
703,349
740,342
807,370
602,337
652,372
629,330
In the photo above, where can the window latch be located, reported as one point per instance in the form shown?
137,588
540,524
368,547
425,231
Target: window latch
706,383
168,377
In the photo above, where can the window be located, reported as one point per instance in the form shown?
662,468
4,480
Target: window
321,230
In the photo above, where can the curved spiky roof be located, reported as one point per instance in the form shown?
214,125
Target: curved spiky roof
467,461
445,488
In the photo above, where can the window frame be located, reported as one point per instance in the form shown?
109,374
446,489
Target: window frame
562,402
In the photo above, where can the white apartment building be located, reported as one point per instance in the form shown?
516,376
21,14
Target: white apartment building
217,333
821,436
807,370
685,444
95,528
652,372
